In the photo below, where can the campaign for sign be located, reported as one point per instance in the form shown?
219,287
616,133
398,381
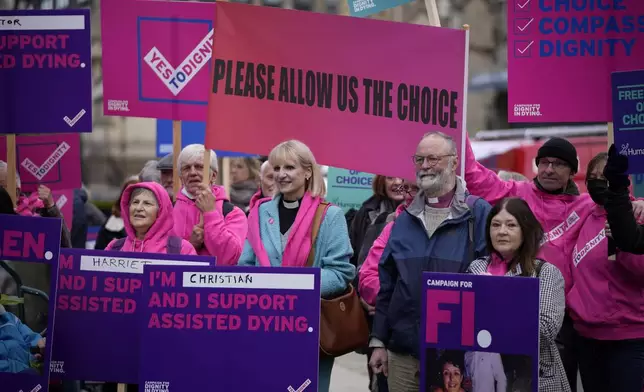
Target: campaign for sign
46,51
270,77
99,293
28,331
628,116
198,312
463,324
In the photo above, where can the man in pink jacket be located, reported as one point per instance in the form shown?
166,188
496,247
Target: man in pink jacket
203,213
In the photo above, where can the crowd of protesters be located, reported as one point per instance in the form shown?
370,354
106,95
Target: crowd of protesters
585,248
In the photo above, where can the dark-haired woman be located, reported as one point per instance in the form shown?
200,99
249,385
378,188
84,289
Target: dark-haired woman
605,301
384,200
451,373
513,240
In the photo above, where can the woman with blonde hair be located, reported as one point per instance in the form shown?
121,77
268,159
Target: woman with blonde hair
279,229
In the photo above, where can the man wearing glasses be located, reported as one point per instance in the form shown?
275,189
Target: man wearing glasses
442,230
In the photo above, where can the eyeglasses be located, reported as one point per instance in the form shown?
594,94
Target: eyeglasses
432,160
408,189
543,163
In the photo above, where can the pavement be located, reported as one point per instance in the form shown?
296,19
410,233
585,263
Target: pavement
350,374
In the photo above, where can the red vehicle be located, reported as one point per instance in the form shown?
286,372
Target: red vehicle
515,150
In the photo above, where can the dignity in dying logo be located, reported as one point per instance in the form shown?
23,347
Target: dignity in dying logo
175,79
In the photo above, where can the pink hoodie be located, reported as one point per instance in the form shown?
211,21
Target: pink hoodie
223,236
156,239
606,301
560,215
369,281
257,198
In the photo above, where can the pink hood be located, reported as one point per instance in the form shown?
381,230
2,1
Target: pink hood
224,236
257,197
156,239
605,301
560,215
369,282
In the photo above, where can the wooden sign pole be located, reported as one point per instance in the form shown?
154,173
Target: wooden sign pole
11,168
176,150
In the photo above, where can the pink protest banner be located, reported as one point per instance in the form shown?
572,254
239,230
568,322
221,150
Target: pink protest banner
52,160
336,83
561,54
156,58
64,199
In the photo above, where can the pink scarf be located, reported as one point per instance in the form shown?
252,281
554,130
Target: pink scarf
497,265
298,244
26,206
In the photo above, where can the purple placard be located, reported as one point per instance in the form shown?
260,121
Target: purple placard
465,324
36,240
45,54
241,329
98,309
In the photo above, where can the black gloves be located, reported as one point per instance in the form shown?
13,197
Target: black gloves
615,170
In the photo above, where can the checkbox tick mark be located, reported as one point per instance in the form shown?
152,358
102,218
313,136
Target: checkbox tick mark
72,121
525,26
522,4
522,51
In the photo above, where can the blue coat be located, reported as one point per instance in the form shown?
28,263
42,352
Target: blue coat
410,252
332,249
16,340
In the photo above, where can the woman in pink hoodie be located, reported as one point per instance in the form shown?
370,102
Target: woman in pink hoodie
203,214
606,301
147,215
369,283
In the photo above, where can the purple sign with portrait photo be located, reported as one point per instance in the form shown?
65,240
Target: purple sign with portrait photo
239,329
468,339
26,344
98,310
45,54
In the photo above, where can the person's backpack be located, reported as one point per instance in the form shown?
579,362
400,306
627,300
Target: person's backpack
173,246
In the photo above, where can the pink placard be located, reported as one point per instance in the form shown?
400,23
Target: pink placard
156,58
51,160
64,199
302,63
560,58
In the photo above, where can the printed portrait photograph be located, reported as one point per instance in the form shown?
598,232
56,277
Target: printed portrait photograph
24,313
476,371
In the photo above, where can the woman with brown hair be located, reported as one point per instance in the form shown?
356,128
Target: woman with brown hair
386,197
513,240
114,227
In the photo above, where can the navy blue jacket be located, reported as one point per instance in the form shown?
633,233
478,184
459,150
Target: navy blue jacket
410,252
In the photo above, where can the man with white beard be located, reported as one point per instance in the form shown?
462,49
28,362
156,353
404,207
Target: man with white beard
442,230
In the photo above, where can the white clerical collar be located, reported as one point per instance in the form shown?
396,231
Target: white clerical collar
291,205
